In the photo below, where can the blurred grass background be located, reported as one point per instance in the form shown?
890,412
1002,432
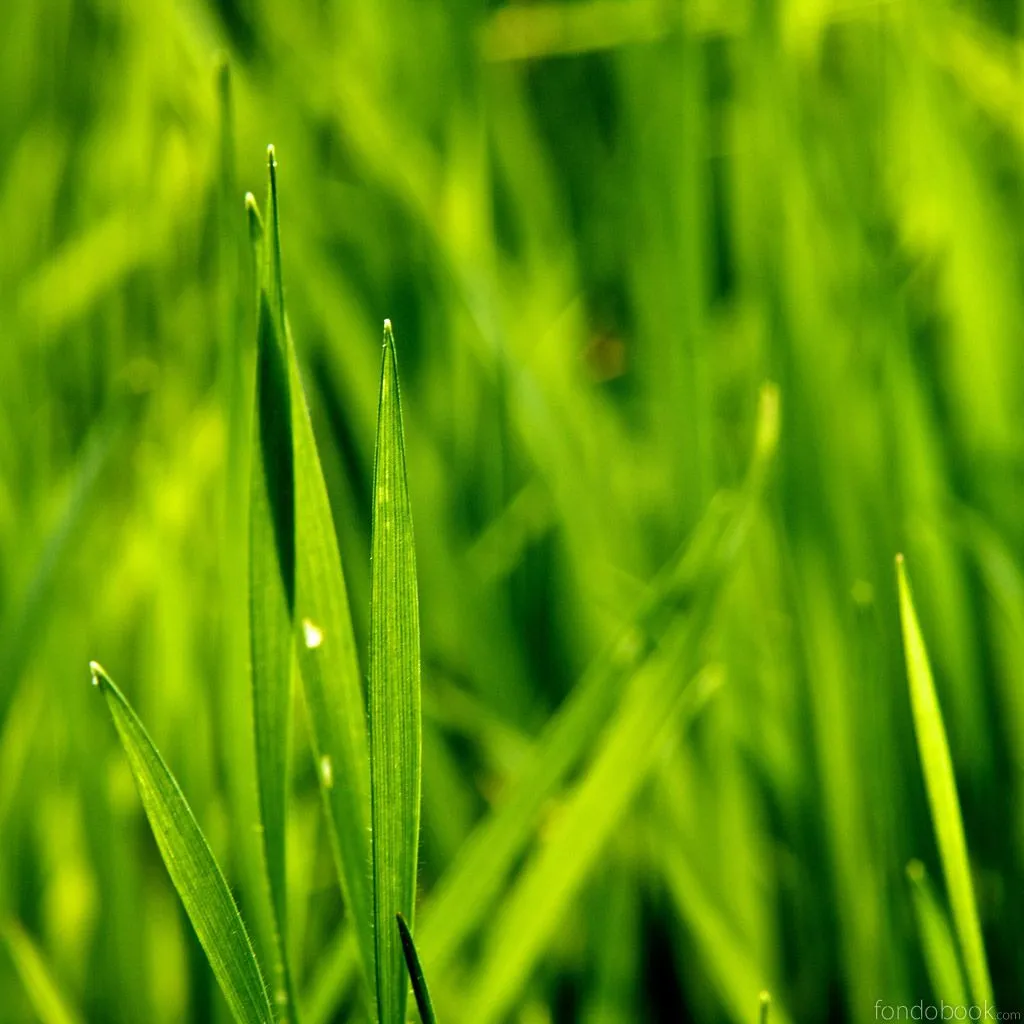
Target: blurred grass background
598,227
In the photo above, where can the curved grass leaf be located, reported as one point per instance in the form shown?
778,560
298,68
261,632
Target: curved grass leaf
650,713
48,1002
937,943
940,785
687,586
191,864
735,971
395,728
331,678
321,619
416,976
271,564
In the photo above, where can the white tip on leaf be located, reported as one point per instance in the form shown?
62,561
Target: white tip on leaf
312,634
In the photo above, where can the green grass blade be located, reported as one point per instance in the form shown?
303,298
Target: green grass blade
191,864
48,1002
940,785
321,619
937,943
416,975
657,699
686,587
766,1005
337,971
16,738
735,972
272,592
273,275
331,678
20,627
395,728
254,222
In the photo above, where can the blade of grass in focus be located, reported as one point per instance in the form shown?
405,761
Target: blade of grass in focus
48,1002
416,976
940,784
322,623
938,946
657,701
272,584
191,864
331,678
395,728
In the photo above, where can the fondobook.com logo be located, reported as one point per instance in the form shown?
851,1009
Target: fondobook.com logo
942,1011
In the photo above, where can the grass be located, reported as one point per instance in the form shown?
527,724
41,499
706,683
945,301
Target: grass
942,796
598,229
191,864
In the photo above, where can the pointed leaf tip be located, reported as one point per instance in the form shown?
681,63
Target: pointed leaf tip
98,673
394,695
416,976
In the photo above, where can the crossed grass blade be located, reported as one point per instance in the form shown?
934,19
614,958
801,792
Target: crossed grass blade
416,975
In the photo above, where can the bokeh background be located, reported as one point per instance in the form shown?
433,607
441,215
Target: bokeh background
599,227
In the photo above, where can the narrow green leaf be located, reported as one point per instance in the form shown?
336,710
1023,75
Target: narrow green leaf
657,700
732,966
337,971
48,1002
685,588
273,277
191,864
272,594
331,678
395,739
25,616
937,943
766,1005
416,976
940,785
16,738
322,622
256,235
